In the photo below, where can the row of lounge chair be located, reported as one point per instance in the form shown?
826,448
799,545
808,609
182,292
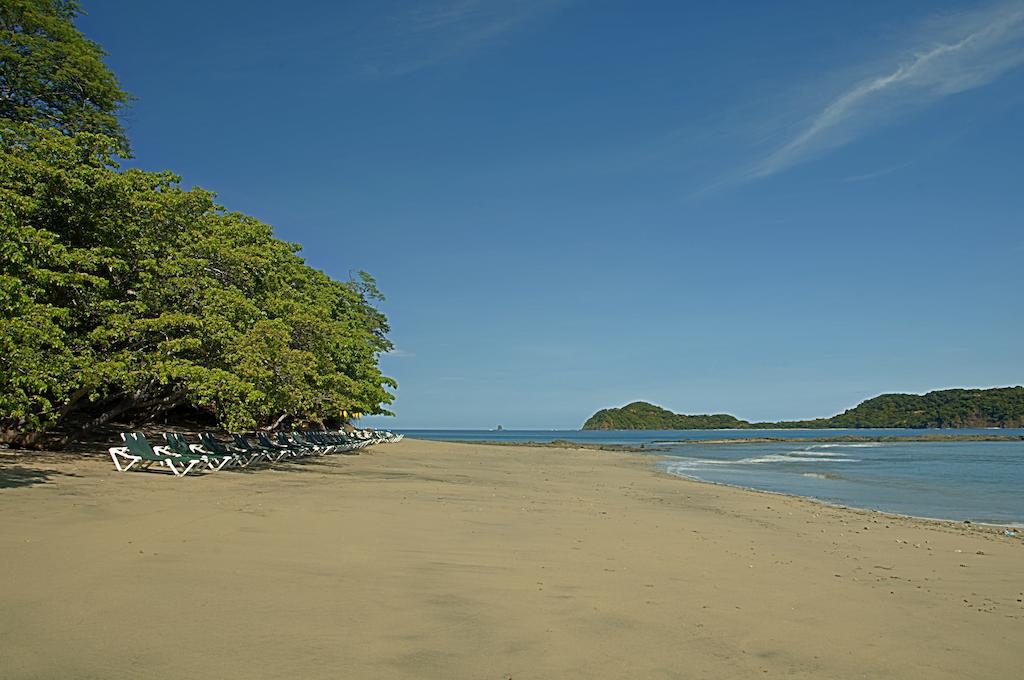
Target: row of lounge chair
182,457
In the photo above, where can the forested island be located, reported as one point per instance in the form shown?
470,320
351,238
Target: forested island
957,408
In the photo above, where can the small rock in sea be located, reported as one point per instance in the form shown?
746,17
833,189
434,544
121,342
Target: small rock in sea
980,552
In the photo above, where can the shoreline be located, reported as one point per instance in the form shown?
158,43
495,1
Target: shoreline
650,453
554,444
962,523
653,444
655,450
425,559
854,439
838,439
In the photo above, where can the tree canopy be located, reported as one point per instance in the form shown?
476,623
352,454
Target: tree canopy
124,295
52,75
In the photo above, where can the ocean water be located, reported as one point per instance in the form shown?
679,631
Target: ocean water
977,481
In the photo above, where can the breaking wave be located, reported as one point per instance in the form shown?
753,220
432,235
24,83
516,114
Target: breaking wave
802,456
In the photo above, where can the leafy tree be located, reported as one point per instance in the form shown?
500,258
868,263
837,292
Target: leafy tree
124,296
52,75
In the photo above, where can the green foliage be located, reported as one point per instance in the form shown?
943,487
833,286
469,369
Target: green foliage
123,295
999,407
643,416
51,75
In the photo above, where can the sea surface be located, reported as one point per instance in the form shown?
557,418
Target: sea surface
974,480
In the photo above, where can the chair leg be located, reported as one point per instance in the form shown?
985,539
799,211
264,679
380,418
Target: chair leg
119,454
117,461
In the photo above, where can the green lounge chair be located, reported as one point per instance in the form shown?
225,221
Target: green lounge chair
295,448
306,442
244,457
320,439
138,451
346,442
179,446
272,453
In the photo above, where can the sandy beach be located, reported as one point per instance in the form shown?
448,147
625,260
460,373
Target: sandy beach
435,560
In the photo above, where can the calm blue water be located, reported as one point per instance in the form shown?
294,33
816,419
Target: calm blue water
979,481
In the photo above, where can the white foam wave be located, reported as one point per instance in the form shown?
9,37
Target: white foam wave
791,457
808,453
802,457
865,445
691,463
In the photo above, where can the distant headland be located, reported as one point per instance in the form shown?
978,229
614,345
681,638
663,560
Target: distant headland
958,408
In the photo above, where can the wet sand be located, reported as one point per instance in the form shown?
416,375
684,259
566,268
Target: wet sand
436,560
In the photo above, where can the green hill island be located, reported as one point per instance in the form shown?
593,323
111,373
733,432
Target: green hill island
958,408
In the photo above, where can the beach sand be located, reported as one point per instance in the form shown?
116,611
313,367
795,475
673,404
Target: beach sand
435,560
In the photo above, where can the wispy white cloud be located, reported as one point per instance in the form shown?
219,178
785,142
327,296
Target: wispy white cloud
863,177
947,55
445,30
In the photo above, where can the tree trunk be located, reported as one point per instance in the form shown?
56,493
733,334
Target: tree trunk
22,440
271,428
134,401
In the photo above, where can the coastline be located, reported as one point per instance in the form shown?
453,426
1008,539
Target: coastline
837,439
656,447
852,508
854,439
429,559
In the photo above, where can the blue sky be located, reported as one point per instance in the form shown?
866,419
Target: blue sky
773,210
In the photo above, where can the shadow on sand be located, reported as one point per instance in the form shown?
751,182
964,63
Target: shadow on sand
14,476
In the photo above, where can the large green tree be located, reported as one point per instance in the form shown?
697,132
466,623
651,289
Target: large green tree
124,296
52,75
